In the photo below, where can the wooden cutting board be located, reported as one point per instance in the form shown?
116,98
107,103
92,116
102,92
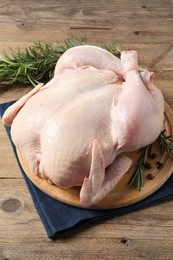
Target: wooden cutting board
122,195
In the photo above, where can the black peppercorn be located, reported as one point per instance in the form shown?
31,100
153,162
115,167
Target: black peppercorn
159,165
153,155
150,176
147,166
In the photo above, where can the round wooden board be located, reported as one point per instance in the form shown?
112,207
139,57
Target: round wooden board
122,195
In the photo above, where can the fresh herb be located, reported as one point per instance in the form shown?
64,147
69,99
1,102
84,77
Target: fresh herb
166,144
137,179
115,50
34,65
37,63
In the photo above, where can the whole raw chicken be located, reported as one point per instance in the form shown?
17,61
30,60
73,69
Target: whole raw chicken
73,130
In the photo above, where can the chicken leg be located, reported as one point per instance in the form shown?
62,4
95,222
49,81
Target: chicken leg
88,55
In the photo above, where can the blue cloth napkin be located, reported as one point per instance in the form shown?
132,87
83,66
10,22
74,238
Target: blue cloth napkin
58,218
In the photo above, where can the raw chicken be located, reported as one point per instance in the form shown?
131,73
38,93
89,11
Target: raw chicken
73,130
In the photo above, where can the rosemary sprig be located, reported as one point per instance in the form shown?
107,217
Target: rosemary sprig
166,143
137,179
36,64
115,50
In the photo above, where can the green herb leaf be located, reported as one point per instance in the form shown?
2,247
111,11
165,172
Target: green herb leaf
37,63
166,143
137,179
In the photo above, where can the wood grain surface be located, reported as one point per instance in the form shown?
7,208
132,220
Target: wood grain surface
146,26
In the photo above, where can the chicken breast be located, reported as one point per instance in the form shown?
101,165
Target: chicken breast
76,127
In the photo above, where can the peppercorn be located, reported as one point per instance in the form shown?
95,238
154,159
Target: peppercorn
159,165
153,155
150,176
147,166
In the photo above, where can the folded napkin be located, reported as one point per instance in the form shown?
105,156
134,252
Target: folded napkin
58,217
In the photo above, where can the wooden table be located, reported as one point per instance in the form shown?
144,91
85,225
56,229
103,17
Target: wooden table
146,26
